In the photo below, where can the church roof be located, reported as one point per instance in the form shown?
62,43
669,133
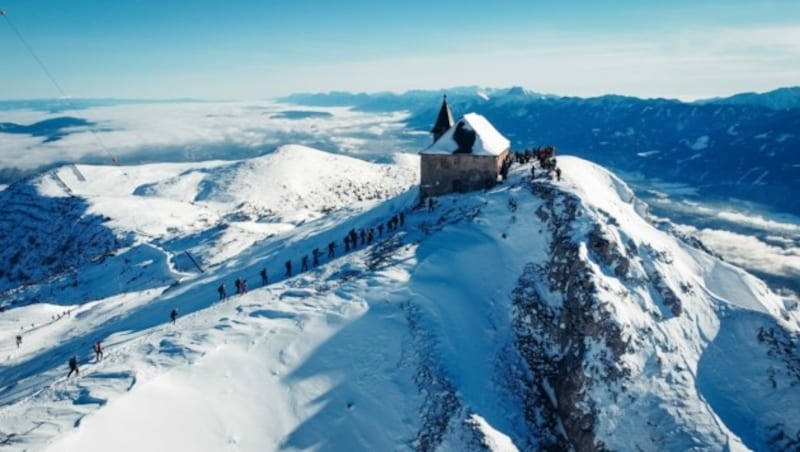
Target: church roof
472,134
445,119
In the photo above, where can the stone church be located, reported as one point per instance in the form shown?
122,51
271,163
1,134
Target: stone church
466,155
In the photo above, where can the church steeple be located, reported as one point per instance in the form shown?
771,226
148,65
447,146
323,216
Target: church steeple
443,122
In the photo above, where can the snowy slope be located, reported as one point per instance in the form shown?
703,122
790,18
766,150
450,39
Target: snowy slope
560,320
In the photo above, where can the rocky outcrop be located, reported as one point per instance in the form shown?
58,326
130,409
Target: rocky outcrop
564,333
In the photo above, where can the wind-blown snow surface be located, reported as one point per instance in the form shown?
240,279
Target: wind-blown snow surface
538,315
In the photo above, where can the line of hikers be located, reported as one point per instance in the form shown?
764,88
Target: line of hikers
351,241
58,316
97,348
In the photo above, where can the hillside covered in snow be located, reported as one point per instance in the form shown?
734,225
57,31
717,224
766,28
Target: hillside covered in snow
538,315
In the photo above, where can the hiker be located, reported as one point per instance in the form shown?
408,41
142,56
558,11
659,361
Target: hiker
19,340
173,315
238,284
244,286
221,290
331,249
264,277
558,174
73,366
370,236
363,236
380,229
288,266
347,244
304,263
98,351
431,204
402,218
353,238
316,254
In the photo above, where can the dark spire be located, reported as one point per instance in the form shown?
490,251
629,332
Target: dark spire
443,122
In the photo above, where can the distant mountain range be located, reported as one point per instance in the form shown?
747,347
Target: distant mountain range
50,129
779,99
744,146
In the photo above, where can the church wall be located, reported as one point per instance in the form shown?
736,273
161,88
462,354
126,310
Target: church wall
449,173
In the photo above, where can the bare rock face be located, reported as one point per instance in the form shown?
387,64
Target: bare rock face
668,296
564,333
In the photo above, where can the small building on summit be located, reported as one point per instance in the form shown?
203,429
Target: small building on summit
466,155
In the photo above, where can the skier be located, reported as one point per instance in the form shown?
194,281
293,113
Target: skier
304,263
221,290
244,286
288,266
19,340
98,351
316,254
173,315
370,236
238,284
431,204
347,244
331,249
363,236
264,277
558,174
73,366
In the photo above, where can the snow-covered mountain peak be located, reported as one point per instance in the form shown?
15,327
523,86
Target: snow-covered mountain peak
624,218
540,315
301,177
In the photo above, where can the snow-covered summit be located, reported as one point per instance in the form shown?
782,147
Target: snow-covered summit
225,205
538,315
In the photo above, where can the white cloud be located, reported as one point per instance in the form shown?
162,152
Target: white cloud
750,252
132,133
759,222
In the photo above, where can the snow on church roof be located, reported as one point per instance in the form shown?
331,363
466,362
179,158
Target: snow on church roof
487,140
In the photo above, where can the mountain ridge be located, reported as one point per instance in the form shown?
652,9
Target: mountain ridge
563,319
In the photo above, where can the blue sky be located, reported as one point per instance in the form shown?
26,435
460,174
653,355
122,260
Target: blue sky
253,49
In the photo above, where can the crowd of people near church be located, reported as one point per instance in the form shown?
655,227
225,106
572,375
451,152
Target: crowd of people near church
546,158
